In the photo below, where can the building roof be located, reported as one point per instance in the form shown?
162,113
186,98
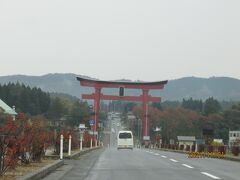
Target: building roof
186,138
234,131
6,109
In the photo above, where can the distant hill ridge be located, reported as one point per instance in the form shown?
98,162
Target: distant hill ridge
221,88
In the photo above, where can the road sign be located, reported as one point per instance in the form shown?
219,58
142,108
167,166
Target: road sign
158,129
91,122
146,138
93,133
82,126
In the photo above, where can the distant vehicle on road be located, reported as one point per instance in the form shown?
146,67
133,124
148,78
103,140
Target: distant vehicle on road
125,140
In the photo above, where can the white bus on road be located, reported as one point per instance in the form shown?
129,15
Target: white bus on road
125,140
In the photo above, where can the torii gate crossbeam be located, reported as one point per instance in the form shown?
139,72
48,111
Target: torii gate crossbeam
144,98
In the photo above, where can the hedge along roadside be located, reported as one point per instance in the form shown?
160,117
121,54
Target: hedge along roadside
225,157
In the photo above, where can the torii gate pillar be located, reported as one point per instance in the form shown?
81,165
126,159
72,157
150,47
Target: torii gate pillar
96,109
145,115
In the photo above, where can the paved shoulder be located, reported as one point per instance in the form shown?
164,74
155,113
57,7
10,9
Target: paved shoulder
76,169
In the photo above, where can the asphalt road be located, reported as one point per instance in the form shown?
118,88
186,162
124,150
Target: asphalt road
145,164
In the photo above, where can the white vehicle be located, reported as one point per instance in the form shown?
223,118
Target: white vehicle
125,140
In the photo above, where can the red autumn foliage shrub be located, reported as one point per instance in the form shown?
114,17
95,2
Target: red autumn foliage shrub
221,149
8,146
235,150
201,148
193,148
22,140
188,148
210,148
65,134
86,139
169,146
177,146
75,141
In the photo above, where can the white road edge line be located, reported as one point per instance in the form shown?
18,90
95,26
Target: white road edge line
156,154
164,156
188,166
173,160
210,175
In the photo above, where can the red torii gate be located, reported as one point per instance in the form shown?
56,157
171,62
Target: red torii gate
144,98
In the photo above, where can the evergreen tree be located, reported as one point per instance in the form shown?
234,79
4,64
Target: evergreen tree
79,113
211,106
195,105
157,105
56,109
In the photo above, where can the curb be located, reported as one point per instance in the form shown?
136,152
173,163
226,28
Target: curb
183,152
74,155
77,154
171,150
231,159
43,171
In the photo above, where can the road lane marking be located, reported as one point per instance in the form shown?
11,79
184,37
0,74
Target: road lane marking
151,152
173,160
210,175
164,156
156,154
188,166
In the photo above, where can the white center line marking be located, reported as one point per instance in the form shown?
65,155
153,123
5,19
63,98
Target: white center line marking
164,156
156,154
151,152
188,166
173,160
210,175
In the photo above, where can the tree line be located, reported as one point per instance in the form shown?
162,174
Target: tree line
190,118
34,101
29,100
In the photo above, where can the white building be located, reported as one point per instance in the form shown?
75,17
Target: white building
4,108
233,137
186,140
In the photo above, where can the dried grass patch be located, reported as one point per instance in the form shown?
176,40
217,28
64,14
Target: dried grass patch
24,169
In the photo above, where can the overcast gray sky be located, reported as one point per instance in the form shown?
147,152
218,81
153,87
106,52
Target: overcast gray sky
112,39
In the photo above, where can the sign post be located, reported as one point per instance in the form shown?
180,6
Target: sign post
91,144
91,123
81,132
61,147
69,145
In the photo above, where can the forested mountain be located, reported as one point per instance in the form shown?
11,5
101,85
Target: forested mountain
221,88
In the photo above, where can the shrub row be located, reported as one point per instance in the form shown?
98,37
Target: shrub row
202,148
